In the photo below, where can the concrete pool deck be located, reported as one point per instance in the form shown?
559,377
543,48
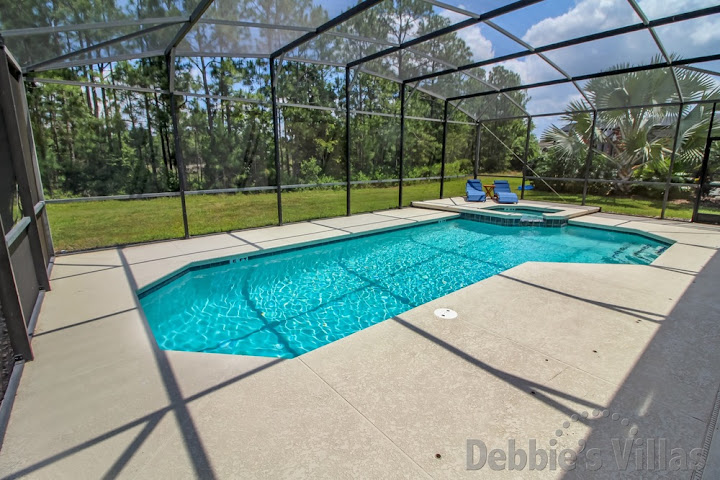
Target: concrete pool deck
531,347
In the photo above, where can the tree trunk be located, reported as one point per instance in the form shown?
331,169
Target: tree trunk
151,141
224,93
56,145
206,88
105,110
116,106
163,135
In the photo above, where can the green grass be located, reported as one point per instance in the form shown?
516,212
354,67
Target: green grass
84,225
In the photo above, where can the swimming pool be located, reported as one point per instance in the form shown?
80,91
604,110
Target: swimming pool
286,303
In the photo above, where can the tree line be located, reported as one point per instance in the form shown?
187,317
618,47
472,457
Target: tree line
103,141
95,141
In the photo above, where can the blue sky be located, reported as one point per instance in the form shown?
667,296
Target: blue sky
552,21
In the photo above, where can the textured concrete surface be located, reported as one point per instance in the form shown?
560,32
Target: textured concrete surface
531,350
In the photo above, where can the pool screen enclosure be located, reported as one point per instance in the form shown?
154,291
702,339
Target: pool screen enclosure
25,244
414,52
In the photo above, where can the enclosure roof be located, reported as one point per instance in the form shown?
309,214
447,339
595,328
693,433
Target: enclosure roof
548,48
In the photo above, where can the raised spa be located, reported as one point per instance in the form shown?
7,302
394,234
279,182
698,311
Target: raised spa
286,303
525,211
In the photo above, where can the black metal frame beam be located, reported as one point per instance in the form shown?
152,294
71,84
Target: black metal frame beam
443,159
12,309
276,137
42,214
476,160
577,41
640,13
543,57
580,78
704,168
589,157
470,75
195,17
525,157
96,46
401,152
95,61
347,139
444,31
136,22
666,195
512,37
605,109
20,159
343,17
179,160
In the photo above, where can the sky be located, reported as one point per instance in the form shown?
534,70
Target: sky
553,21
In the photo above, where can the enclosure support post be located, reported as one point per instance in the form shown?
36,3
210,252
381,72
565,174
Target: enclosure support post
40,190
672,161
347,136
10,304
476,163
444,150
276,137
704,168
525,158
588,159
20,159
170,60
402,144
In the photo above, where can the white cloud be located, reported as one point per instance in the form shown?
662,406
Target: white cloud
532,69
586,17
692,38
481,47
664,8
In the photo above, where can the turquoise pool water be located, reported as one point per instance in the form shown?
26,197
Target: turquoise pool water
287,303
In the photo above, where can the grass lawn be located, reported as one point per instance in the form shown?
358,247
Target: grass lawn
84,225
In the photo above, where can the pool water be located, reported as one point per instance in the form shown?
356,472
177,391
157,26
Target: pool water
287,303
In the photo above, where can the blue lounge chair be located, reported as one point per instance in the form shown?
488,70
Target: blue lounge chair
474,190
503,192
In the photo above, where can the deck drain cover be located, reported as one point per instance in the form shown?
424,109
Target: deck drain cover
445,313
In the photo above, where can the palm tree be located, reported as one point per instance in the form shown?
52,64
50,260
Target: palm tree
630,142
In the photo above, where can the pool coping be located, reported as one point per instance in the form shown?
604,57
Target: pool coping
618,228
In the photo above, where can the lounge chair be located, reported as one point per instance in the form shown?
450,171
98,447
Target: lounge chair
503,192
474,190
